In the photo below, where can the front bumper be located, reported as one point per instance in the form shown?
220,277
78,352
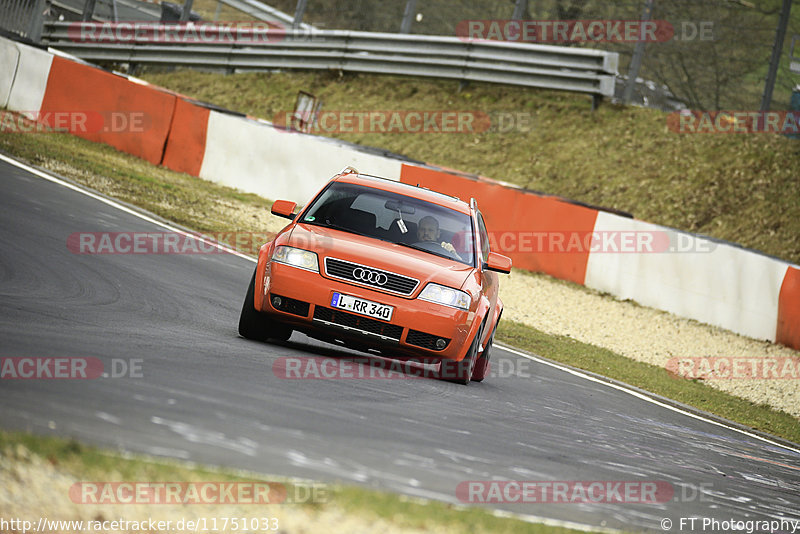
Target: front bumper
416,325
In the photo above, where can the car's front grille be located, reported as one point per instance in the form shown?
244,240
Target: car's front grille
293,306
370,276
356,322
424,340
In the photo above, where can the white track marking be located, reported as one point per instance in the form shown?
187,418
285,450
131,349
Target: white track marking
121,207
643,397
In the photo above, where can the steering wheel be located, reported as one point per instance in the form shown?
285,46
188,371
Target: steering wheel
436,248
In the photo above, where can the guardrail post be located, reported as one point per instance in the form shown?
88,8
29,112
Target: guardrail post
780,35
520,9
638,54
88,11
37,21
299,12
408,16
187,10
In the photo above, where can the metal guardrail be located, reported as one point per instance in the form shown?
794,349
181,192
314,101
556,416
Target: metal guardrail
550,67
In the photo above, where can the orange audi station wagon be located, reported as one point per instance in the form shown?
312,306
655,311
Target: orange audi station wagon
383,267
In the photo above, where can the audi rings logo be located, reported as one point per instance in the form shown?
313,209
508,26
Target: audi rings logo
370,277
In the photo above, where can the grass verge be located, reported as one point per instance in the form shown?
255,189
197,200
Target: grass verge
35,461
197,204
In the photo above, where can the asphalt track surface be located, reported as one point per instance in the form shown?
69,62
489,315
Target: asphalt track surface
209,396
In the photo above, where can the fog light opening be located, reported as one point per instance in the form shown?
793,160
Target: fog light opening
441,343
276,301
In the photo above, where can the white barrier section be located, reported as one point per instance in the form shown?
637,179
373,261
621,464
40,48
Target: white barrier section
257,158
713,283
30,82
9,57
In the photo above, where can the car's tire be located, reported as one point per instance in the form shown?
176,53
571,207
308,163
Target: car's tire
483,364
461,372
258,326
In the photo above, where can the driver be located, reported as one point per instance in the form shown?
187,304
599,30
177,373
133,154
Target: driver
428,231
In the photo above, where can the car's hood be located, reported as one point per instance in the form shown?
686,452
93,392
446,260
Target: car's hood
425,267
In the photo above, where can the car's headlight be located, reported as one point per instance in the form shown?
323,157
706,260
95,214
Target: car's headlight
445,295
296,257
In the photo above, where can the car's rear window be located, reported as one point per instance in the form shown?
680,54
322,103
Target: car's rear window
395,218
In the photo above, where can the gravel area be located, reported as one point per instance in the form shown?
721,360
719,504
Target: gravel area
650,336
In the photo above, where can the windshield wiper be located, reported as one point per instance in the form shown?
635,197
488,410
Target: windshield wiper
327,224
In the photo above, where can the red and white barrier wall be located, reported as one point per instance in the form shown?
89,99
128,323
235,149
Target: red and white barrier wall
253,156
28,80
715,283
9,59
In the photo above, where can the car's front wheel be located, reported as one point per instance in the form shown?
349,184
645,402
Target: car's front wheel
258,326
461,372
482,365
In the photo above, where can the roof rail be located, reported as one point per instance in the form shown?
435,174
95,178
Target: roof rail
349,170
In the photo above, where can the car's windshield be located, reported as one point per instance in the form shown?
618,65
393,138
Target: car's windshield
396,218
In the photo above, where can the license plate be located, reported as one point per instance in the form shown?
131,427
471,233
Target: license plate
361,306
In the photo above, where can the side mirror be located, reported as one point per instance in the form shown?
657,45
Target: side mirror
284,208
498,262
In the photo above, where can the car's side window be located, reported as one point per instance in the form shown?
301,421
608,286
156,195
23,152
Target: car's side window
484,238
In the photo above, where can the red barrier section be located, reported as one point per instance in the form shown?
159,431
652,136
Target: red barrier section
135,118
520,222
186,143
789,310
